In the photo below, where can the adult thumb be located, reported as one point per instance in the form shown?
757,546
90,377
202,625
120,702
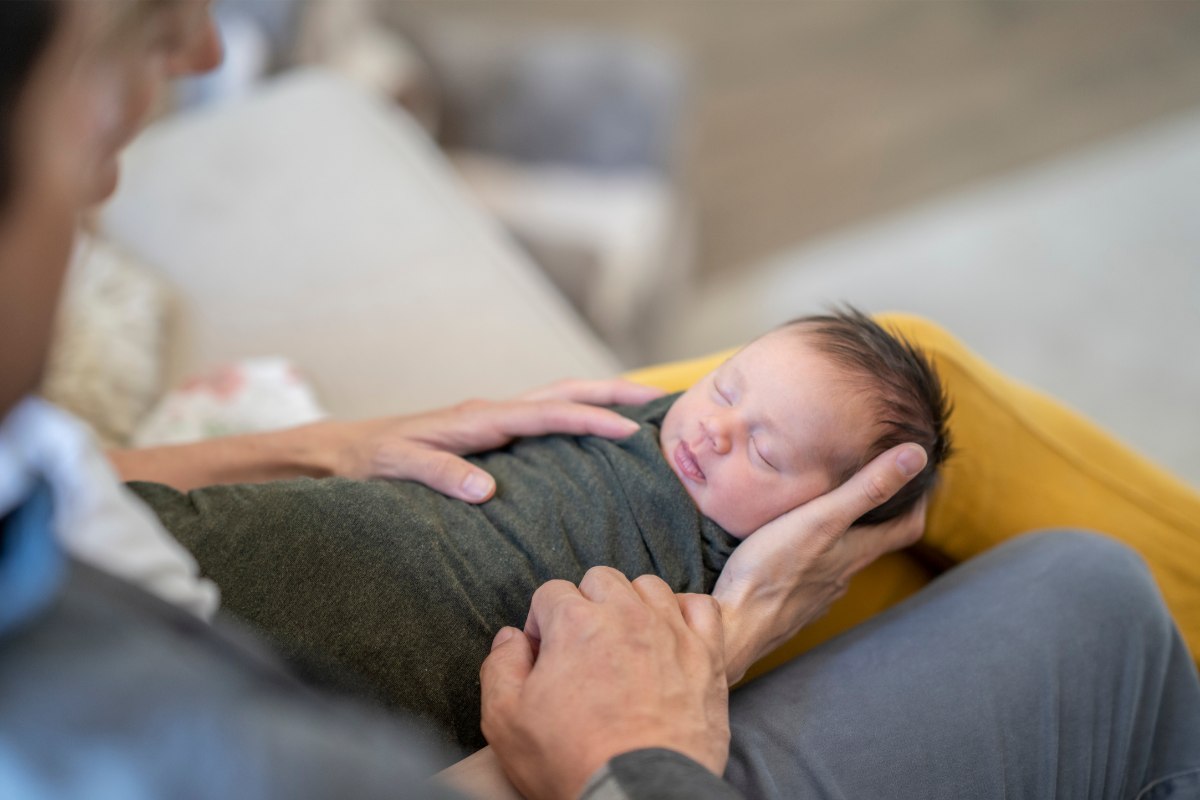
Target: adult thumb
505,670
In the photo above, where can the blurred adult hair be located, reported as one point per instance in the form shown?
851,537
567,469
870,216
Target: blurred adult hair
26,27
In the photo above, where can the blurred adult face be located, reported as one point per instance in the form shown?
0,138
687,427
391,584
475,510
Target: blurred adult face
88,94
53,155
138,47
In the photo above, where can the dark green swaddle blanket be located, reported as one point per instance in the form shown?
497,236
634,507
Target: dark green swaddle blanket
406,588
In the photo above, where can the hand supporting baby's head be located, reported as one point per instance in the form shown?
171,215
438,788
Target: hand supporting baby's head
800,410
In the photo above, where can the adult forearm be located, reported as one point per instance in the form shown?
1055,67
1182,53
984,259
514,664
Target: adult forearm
423,447
251,458
651,774
480,775
656,774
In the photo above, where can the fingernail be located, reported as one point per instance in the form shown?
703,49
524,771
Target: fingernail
476,486
503,636
911,460
631,426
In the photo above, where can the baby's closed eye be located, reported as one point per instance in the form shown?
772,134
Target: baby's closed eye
761,453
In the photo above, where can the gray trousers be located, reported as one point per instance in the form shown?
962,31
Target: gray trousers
1047,667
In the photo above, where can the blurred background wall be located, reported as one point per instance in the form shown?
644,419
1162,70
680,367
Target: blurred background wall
808,116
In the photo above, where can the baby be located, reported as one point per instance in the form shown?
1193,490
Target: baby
404,588
796,413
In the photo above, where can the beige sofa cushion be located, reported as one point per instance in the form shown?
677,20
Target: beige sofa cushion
316,222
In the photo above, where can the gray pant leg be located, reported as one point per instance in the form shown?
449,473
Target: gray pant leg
1046,667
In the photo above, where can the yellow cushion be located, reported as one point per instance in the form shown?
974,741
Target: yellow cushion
1024,461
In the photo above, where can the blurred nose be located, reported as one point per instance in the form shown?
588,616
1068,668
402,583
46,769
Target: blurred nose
719,428
203,52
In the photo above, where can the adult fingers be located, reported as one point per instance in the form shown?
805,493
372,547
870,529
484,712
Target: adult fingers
541,417
905,530
623,392
547,599
605,584
832,514
866,543
656,594
505,671
441,471
702,614
616,391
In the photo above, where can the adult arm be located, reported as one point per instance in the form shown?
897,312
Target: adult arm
655,704
479,775
792,569
652,773
425,447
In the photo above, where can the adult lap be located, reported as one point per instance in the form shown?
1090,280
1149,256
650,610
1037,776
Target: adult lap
1004,677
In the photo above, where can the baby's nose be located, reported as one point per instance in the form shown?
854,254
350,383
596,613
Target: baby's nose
717,431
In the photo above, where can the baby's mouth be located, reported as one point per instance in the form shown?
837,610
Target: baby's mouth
685,459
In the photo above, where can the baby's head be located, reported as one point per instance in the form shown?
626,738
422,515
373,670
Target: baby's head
797,412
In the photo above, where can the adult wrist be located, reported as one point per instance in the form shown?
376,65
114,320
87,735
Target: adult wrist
655,772
742,647
305,450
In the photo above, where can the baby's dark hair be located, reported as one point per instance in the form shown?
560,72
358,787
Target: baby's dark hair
910,400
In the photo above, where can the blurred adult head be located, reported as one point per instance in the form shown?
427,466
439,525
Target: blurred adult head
44,175
138,47
78,78
25,31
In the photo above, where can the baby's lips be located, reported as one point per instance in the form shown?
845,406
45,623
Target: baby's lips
686,461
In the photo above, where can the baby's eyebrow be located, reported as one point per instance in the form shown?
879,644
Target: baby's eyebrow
743,390
729,366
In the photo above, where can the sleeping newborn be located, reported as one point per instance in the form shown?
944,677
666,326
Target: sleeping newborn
404,588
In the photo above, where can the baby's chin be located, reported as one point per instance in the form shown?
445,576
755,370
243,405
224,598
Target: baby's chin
741,525
733,528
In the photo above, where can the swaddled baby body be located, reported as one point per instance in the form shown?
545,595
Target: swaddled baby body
405,588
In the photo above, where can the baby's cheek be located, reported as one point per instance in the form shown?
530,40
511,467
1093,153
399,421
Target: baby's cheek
741,534
766,506
738,516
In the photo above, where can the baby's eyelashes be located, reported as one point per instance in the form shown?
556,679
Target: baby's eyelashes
761,456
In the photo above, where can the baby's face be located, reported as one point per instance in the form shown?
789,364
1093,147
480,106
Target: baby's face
768,430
